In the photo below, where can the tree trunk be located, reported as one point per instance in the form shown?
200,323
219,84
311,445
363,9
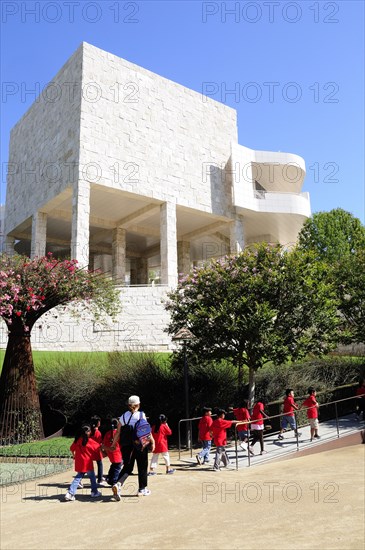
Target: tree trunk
20,414
240,375
251,386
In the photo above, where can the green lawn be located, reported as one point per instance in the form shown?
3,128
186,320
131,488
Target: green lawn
99,359
43,358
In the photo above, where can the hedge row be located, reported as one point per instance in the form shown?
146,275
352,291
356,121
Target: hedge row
79,389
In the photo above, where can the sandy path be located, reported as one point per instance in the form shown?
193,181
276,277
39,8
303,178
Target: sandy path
314,501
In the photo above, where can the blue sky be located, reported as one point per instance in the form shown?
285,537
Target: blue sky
294,71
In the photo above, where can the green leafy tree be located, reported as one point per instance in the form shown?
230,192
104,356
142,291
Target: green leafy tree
338,238
332,235
350,282
262,305
28,289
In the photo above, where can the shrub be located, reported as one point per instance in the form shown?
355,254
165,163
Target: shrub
81,388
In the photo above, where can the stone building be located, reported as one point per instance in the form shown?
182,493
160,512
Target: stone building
136,175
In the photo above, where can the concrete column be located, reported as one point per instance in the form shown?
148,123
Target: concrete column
9,245
142,271
119,255
168,245
183,257
133,272
237,235
39,235
80,232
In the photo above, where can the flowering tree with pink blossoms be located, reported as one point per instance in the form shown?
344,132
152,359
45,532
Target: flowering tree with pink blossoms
28,289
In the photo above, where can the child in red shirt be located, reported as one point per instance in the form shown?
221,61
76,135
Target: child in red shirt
257,425
289,406
219,429
160,432
98,438
242,415
84,450
205,436
114,454
312,412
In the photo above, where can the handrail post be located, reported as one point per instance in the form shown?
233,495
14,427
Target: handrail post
191,438
179,439
337,426
296,432
235,444
248,446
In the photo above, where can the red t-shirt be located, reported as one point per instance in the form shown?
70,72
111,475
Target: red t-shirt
205,426
289,406
360,392
310,403
160,437
257,416
96,436
242,414
116,455
85,454
219,427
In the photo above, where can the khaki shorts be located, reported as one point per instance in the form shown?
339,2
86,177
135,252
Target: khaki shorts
313,422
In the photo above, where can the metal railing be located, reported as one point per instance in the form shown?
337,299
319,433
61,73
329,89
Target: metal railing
23,462
266,419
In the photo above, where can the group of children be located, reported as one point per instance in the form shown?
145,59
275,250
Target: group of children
252,424
90,446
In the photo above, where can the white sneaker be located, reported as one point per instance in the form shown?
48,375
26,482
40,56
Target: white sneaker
96,494
103,483
243,446
144,492
117,491
68,497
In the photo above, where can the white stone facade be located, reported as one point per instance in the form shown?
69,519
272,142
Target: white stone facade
2,227
141,177
140,326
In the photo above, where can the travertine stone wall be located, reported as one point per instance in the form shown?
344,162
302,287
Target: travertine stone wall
80,232
39,234
151,136
44,146
140,326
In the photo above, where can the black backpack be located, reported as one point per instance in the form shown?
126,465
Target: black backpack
126,433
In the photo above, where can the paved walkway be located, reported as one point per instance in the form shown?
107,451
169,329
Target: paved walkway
313,502
277,449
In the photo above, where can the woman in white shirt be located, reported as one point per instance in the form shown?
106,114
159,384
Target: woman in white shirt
130,453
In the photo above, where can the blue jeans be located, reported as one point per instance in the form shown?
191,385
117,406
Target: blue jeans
204,453
288,421
114,472
242,435
100,470
78,477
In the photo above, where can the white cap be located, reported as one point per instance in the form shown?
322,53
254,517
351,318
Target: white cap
134,400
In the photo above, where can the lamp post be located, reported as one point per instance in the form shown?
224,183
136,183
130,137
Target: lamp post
184,335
